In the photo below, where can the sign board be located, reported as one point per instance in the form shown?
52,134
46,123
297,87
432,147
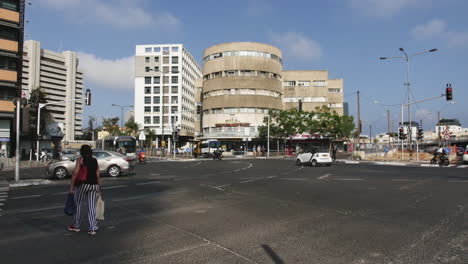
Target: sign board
142,136
447,137
188,150
163,143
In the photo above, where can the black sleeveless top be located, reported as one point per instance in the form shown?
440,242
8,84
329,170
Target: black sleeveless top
92,165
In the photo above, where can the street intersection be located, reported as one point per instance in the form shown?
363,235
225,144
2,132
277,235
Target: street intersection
250,211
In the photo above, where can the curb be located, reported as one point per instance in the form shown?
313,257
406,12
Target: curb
33,182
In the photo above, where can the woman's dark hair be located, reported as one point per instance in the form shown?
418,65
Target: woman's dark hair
85,151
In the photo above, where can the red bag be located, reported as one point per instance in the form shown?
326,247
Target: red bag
82,173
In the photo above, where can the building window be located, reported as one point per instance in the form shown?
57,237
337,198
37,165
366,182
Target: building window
156,100
147,59
156,59
157,80
9,4
175,49
320,83
8,63
8,33
303,83
173,109
165,60
147,120
174,99
147,100
147,50
147,69
147,90
230,73
174,89
156,90
156,109
334,90
165,50
289,83
156,119
157,49
147,80
174,69
174,79
175,59
156,68
147,109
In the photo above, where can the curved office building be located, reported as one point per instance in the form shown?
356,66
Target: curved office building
241,82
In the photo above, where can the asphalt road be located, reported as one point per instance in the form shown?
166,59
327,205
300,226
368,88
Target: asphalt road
249,211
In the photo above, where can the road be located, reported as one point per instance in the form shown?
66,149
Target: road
249,211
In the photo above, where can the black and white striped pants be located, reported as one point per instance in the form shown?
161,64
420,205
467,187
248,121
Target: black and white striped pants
90,192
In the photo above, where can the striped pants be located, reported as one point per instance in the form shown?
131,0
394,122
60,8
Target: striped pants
90,192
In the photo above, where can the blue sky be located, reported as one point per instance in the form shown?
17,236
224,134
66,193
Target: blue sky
346,37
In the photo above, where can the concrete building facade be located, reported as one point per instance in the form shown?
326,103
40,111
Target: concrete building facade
165,76
11,46
313,89
241,83
59,76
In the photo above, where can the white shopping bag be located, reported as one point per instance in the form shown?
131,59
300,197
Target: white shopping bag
99,208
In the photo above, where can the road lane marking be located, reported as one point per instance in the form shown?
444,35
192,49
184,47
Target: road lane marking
430,165
24,197
4,189
245,168
145,183
2,200
458,181
323,176
220,187
193,165
406,180
271,177
348,179
294,179
246,181
61,193
462,166
114,187
34,210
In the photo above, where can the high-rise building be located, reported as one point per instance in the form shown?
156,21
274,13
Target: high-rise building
165,77
11,45
241,83
59,76
311,89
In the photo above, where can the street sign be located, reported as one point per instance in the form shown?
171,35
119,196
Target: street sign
447,137
188,150
142,136
163,143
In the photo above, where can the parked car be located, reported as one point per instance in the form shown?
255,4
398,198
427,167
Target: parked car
314,158
465,155
110,163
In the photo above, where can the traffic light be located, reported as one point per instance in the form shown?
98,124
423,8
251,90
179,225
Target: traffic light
448,92
420,133
199,108
401,133
88,97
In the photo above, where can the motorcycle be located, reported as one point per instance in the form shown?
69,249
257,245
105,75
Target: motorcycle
141,157
444,161
217,154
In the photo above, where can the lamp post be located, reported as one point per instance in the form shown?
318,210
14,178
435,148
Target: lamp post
407,58
122,109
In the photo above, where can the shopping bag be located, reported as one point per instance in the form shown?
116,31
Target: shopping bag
70,205
100,208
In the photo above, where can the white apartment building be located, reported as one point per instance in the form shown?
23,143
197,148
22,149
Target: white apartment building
60,78
165,77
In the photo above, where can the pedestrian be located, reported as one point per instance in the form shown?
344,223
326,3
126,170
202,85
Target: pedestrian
87,189
43,156
259,150
334,149
254,151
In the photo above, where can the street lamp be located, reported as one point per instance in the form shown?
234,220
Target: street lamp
407,58
122,109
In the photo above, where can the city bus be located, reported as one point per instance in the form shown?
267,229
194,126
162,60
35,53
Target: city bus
122,144
207,147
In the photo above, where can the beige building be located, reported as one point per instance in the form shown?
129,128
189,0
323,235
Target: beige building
241,83
313,89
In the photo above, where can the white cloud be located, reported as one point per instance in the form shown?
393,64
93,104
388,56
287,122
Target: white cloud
296,45
433,28
105,73
438,29
117,13
383,8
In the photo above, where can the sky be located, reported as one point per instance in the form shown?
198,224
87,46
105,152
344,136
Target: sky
345,37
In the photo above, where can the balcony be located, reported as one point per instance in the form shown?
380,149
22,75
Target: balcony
9,45
7,75
9,15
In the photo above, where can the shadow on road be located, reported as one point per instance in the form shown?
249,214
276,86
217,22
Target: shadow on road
272,254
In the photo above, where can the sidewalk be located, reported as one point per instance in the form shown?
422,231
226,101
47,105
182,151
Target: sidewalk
414,163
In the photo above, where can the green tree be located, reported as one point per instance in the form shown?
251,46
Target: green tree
111,125
150,137
132,127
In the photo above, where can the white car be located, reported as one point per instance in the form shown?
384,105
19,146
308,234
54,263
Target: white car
465,155
314,159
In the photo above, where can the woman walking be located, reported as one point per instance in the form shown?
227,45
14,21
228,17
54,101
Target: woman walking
87,189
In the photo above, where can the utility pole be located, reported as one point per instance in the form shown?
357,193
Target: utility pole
359,120
438,127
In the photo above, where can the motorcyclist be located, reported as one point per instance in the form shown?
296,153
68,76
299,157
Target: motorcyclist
141,155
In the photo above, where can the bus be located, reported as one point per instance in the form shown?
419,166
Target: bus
123,144
207,147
